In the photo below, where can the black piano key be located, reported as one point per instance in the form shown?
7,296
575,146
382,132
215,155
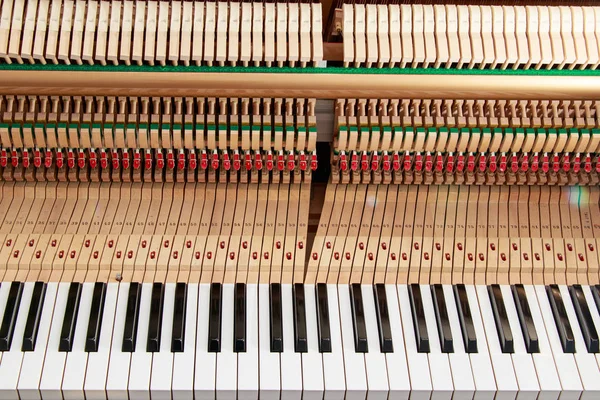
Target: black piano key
596,295
33,318
300,335
179,308
131,317
525,319
214,318
441,317
465,318
276,320
588,328
96,311
67,332
418,316
239,319
383,319
155,321
561,320
501,318
7,329
323,327
358,319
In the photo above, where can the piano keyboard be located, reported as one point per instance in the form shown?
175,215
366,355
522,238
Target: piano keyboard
270,340
161,32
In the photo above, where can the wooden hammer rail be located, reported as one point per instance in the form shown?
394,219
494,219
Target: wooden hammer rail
301,85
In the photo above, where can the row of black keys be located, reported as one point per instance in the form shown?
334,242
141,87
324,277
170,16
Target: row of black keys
505,334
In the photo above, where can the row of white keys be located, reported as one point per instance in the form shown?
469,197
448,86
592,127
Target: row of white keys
76,363
312,362
141,360
471,36
248,361
33,362
227,367
157,32
162,361
418,363
10,367
502,363
375,365
439,365
483,372
269,366
204,373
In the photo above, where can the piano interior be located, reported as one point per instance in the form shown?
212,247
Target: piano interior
318,200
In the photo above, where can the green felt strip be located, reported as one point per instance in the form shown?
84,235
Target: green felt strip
296,70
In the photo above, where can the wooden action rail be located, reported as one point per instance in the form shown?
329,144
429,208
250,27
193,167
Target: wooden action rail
152,232
320,85
457,234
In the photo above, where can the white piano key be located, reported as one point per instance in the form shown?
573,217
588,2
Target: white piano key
118,367
74,376
593,310
98,362
547,358
33,362
12,360
141,360
377,375
460,364
354,363
529,387
565,363
333,375
248,361
183,363
418,363
269,371
291,377
226,358
54,363
204,374
483,373
4,289
397,366
502,363
439,366
587,362
162,361
312,362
